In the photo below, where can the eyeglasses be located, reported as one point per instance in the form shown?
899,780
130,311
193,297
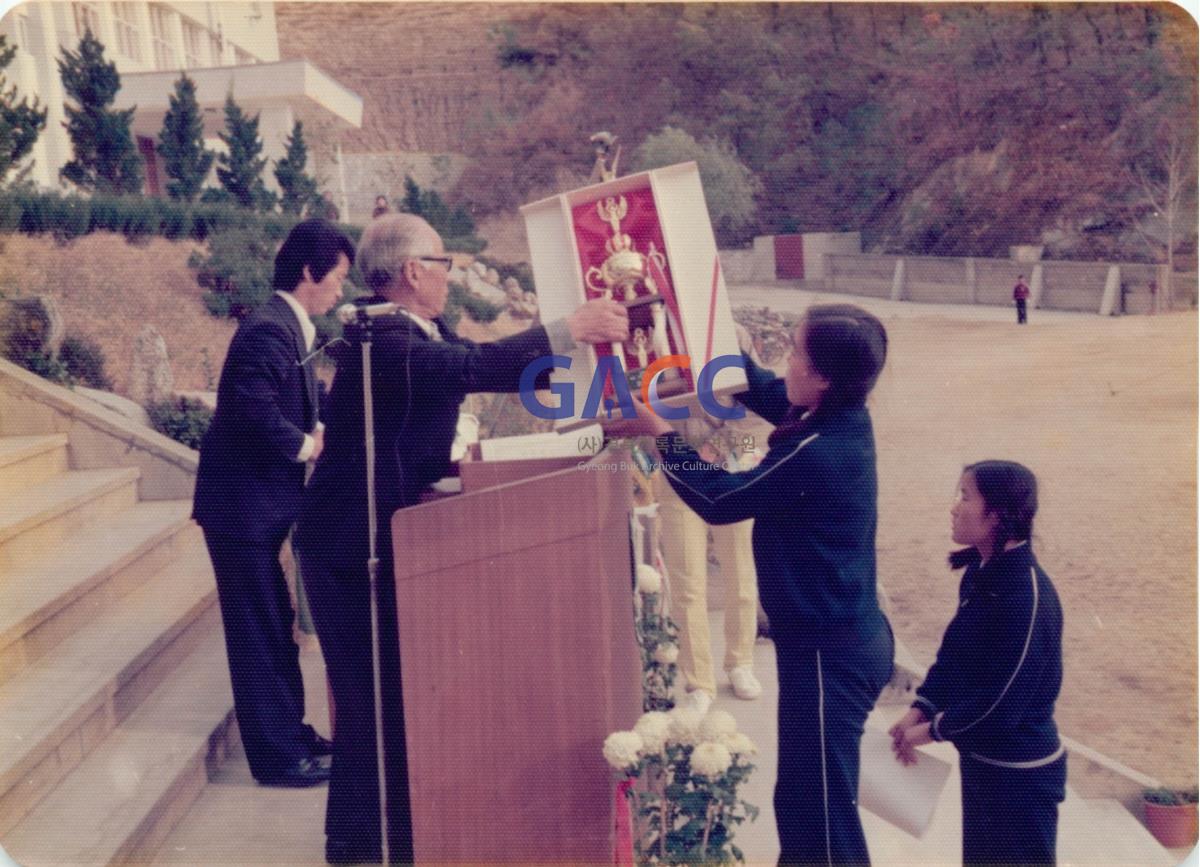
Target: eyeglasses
445,261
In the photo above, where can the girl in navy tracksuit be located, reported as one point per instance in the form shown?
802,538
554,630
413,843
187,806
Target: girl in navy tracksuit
991,691
813,503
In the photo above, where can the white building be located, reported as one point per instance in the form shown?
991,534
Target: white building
223,46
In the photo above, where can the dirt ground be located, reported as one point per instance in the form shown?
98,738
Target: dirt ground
1103,410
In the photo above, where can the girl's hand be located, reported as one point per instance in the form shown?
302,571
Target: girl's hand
914,717
647,423
905,747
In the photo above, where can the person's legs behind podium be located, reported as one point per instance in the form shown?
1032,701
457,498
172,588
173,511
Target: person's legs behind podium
684,543
339,598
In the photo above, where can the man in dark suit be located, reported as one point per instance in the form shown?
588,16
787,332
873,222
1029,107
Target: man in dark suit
248,491
421,371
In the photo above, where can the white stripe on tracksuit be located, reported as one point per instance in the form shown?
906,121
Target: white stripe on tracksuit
1024,652
759,477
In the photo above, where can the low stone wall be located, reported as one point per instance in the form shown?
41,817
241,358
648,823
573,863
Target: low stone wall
98,438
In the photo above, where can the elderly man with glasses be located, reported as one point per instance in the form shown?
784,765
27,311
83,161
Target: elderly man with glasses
421,371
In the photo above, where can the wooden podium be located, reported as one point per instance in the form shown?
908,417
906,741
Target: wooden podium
519,658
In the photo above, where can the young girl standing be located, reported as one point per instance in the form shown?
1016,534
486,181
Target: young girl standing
813,501
991,691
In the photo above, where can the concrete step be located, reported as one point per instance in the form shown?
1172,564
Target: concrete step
1101,831
43,518
44,602
120,803
29,460
59,708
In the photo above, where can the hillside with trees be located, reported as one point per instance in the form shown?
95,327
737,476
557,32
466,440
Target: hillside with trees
946,129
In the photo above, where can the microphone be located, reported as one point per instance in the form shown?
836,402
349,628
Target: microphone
351,313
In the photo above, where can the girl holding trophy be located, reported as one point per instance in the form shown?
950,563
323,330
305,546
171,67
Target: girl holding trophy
813,501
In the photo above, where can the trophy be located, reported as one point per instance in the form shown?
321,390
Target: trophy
619,276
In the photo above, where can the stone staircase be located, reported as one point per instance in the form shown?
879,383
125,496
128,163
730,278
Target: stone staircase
114,695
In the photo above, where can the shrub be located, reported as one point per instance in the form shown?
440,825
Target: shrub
460,299
47,366
70,217
182,419
237,272
84,361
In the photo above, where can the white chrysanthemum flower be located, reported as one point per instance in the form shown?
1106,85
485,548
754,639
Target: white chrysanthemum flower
654,728
710,760
666,654
621,749
648,579
685,723
740,745
716,725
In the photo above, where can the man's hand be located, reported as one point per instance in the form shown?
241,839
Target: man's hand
646,423
318,444
599,321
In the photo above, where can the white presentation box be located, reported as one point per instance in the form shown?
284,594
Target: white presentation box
645,240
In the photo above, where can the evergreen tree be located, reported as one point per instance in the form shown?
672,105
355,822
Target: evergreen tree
299,190
105,157
240,168
20,122
181,143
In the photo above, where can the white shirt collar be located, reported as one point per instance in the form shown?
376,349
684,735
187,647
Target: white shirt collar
306,327
430,329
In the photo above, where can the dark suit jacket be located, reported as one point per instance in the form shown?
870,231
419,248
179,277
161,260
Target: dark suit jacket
249,482
418,385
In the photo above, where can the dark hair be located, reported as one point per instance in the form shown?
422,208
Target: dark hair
847,346
314,243
1009,490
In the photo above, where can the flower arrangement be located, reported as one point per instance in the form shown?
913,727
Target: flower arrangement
657,638
689,768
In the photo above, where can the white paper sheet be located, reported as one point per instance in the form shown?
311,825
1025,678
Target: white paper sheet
578,443
903,795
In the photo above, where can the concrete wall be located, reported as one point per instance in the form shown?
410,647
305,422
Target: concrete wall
1056,285
818,244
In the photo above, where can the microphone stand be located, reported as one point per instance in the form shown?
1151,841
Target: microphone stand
365,323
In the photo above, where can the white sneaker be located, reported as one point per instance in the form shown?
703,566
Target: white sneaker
745,684
698,700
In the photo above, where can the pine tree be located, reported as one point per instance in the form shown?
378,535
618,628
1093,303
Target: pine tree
240,169
181,143
105,157
20,122
299,190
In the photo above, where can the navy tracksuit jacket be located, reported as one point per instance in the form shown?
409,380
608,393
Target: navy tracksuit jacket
991,693
813,501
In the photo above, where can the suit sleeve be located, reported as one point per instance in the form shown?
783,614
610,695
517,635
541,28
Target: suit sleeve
259,368
767,394
722,497
460,365
1003,691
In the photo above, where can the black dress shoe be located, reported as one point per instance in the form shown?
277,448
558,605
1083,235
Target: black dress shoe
338,851
320,746
306,772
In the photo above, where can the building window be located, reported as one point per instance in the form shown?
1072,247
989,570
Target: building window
193,42
128,43
87,17
160,30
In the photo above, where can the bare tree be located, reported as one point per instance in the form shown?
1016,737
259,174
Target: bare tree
1166,178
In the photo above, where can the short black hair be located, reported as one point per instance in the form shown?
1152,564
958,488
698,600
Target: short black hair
312,243
847,346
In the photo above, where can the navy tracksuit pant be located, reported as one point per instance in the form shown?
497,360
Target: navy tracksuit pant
824,699
1010,815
